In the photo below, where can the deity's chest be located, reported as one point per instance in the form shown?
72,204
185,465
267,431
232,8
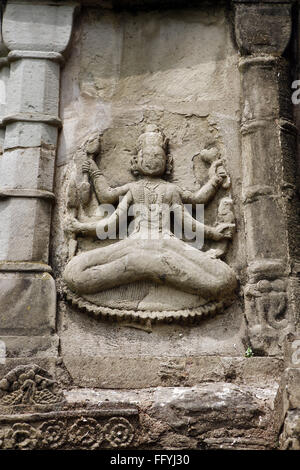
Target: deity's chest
151,193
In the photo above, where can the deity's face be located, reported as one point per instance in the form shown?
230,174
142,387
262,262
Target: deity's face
152,160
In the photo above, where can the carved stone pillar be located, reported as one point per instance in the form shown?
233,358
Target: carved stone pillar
263,31
35,34
288,396
4,77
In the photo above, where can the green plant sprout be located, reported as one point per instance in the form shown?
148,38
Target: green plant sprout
249,352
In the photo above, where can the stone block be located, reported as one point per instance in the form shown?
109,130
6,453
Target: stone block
264,218
262,28
33,87
25,229
27,304
290,437
292,351
37,27
29,346
206,416
4,78
27,168
143,372
30,134
292,387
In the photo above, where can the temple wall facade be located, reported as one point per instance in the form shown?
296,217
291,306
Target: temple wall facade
149,214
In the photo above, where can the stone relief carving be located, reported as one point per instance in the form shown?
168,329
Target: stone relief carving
26,426
119,432
29,385
267,312
290,437
165,260
72,433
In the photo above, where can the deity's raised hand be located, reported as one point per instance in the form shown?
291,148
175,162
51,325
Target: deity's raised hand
225,230
89,166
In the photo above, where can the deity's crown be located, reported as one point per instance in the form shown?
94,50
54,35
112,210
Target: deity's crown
152,136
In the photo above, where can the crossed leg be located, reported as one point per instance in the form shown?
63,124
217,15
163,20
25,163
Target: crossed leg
161,261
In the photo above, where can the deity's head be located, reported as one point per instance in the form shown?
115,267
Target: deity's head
152,158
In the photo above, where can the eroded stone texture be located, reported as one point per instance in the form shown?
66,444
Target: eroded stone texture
151,251
34,36
210,416
269,174
148,352
184,92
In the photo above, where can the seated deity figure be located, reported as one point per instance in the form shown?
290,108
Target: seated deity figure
163,259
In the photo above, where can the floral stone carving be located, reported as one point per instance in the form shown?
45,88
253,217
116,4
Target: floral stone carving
85,432
67,432
203,283
21,436
29,385
118,432
53,434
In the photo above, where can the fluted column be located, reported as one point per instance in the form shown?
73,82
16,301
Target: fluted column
263,31
36,35
4,77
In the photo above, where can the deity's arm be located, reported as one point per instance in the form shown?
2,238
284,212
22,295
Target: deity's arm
95,227
104,192
186,220
217,177
188,223
204,194
113,221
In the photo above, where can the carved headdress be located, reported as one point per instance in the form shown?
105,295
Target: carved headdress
152,136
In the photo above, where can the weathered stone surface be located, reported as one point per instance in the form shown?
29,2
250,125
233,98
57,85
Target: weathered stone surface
151,251
263,28
49,363
29,385
33,87
15,165
32,101
28,304
25,223
84,429
28,300
267,203
105,339
292,351
132,376
291,388
117,98
29,134
117,372
209,416
30,346
290,437
110,88
34,27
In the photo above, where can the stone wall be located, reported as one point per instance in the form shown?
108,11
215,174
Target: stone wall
148,345
186,59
